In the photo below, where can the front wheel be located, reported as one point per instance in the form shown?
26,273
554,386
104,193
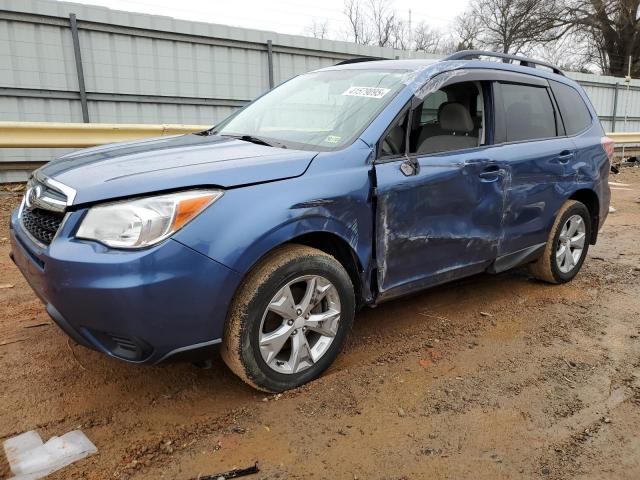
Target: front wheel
567,245
289,319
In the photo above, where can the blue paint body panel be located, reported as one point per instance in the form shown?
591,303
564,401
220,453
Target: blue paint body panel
332,196
169,296
406,232
438,222
167,163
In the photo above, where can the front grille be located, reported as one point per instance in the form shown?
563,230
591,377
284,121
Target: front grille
41,224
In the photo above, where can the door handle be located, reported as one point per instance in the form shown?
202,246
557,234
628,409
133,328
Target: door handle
565,156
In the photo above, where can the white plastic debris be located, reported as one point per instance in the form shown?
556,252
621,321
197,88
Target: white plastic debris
30,458
611,209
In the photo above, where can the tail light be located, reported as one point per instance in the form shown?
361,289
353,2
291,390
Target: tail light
609,147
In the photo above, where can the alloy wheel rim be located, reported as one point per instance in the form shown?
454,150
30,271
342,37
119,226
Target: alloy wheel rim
299,324
570,243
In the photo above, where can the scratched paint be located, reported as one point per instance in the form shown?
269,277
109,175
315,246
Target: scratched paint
421,81
441,220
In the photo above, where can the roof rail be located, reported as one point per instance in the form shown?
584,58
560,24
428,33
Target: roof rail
524,61
360,59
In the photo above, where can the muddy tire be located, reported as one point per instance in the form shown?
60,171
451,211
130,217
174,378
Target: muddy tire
289,319
567,245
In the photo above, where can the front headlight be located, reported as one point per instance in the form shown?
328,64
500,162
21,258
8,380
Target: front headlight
144,221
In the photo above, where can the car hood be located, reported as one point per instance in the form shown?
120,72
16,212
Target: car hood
182,161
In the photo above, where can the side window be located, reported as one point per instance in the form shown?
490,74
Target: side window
449,119
575,114
430,107
528,112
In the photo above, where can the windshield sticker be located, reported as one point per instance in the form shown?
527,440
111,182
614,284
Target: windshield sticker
370,92
332,139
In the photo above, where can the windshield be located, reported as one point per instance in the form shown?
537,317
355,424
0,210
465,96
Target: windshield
320,111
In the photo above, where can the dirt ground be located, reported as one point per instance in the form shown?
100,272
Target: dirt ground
491,377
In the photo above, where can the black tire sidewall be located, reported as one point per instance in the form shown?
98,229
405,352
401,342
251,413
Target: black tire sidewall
576,209
256,368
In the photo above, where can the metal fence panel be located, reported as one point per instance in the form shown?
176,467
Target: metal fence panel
132,112
612,99
39,109
36,56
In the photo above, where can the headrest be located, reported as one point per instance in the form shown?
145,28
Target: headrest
455,117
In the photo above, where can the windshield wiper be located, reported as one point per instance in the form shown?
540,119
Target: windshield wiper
258,140
206,133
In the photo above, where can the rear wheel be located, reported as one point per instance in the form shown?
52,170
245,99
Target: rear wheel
567,245
289,319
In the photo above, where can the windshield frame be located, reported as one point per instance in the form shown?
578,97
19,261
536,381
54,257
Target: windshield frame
318,148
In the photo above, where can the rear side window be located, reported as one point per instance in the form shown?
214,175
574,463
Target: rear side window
575,114
528,112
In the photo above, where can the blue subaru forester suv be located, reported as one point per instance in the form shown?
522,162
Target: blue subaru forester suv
341,188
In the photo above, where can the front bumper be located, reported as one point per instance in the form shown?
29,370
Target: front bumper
140,306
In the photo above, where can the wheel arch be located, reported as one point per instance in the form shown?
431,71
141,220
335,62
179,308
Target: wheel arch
590,199
327,235
341,250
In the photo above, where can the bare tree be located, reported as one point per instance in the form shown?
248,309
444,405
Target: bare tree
595,50
401,36
384,21
427,39
359,29
432,40
466,29
613,27
574,52
376,22
513,26
317,28
575,34
581,34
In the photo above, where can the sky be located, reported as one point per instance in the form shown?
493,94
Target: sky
283,16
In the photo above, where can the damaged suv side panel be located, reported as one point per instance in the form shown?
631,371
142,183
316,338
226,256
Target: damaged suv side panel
441,223
447,214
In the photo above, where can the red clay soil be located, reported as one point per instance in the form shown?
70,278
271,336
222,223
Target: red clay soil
491,377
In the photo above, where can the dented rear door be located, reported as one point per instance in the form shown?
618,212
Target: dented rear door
440,223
